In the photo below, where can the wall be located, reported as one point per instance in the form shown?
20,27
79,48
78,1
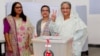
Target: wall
93,26
20,0
2,15
93,21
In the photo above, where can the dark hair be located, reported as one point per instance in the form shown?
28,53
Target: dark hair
13,13
45,6
66,2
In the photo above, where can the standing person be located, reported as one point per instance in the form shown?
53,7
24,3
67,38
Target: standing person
43,23
67,25
18,32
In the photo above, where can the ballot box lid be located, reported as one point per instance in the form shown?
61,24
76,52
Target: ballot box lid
53,39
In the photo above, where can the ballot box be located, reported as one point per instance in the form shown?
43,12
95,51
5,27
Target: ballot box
59,46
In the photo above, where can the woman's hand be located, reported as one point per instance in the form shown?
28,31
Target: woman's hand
53,15
9,45
35,35
10,49
27,45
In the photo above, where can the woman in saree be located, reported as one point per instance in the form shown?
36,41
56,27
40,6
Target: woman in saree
69,25
42,27
18,32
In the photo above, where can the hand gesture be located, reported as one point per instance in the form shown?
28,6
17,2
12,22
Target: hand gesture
53,15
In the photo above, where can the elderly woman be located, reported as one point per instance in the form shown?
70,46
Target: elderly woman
69,24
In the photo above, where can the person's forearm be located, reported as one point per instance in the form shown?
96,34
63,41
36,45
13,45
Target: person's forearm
27,43
7,39
28,40
53,28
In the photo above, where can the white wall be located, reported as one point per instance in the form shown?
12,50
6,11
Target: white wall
94,29
20,0
2,15
93,20
93,26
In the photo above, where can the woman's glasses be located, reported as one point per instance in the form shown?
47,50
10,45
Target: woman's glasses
18,7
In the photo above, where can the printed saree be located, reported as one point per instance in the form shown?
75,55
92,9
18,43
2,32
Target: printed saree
20,33
46,31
